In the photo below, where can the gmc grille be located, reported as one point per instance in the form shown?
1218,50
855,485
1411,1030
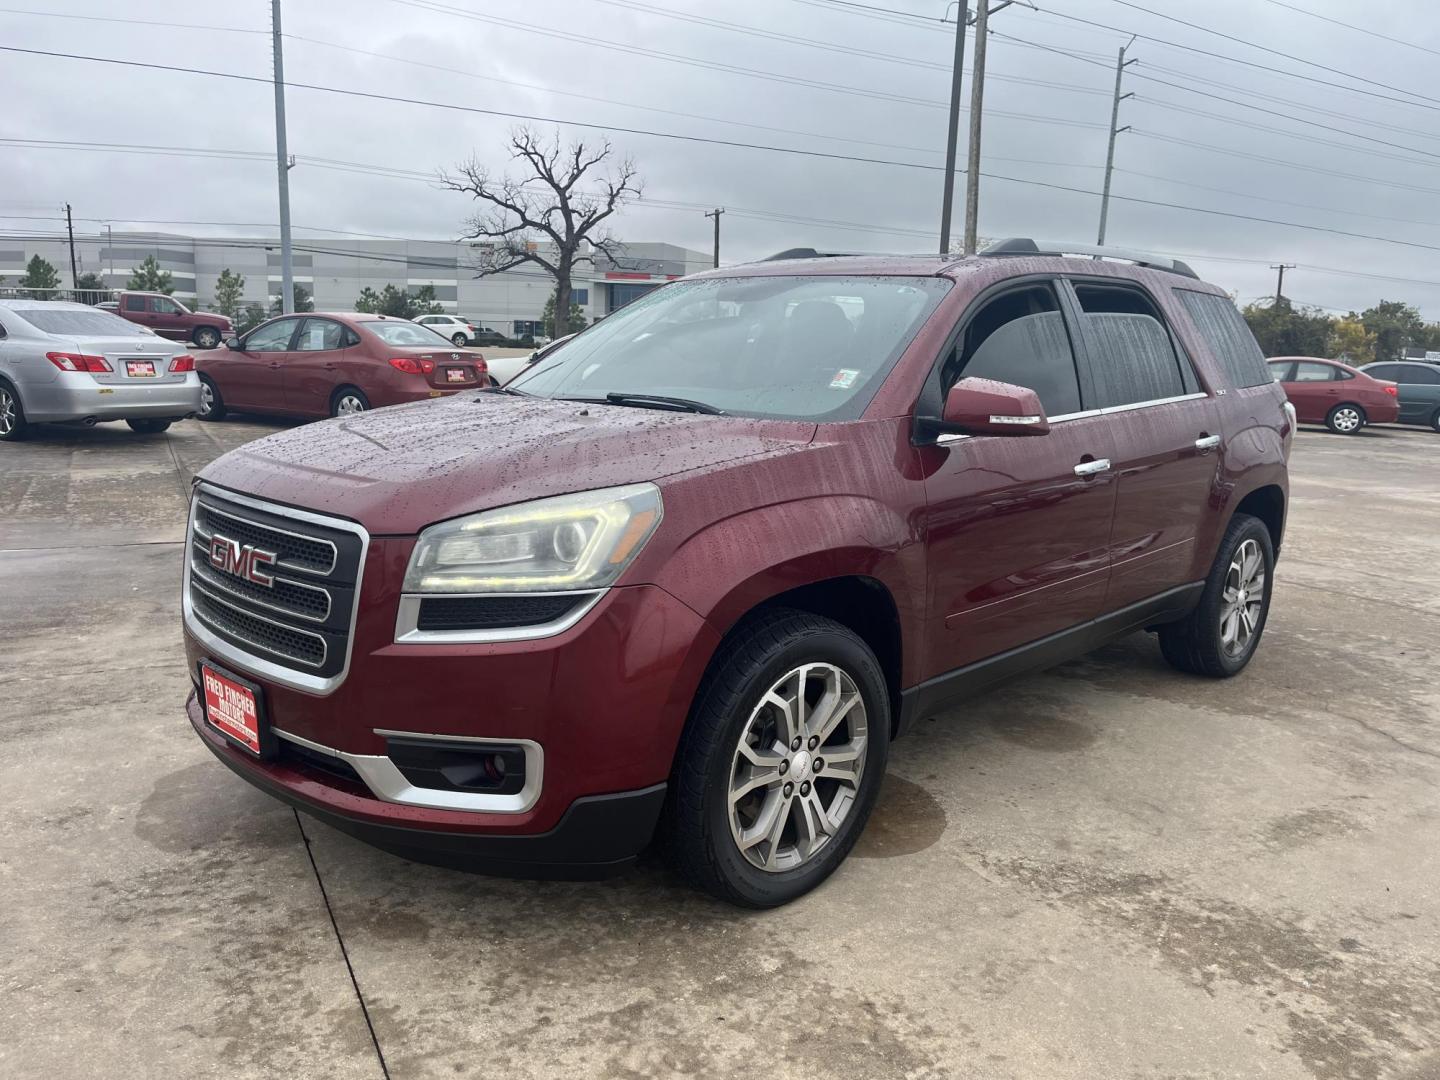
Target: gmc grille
301,621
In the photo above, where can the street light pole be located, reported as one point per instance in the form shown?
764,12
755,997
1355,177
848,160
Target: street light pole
952,132
282,162
1120,65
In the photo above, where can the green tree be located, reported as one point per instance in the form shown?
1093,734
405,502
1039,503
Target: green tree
40,276
229,290
368,301
1395,325
148,277
1283,330
1351,342
303,301
400,303
575,324
90,289
251,317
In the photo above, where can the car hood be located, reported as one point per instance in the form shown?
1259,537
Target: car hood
399,469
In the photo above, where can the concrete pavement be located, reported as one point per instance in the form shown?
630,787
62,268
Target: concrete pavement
1105,870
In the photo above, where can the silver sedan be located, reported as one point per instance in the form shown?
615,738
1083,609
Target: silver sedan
72,363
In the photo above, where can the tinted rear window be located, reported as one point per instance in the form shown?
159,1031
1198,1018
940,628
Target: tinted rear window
70,321
1225,332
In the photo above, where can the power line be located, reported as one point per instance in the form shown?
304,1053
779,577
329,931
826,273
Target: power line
1352,26
167,24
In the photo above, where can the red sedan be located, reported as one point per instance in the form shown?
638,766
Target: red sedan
328,364
1337,395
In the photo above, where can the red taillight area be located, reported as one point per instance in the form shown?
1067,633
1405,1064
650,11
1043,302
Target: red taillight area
480,365
77,362
1392,389
182,363
411,366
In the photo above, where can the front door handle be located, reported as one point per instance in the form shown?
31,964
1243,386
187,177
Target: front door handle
1207,442
1090,468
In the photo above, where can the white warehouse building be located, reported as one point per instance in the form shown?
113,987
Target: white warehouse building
334,271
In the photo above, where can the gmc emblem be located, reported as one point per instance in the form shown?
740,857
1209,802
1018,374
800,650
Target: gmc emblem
243,560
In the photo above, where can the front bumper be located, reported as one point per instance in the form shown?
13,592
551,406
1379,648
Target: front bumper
76,396
597,836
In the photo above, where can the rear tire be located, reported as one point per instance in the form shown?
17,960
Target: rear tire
13,425
1345,419
207,337
750,818
1220,636
148,427
348,401
212,405
459,341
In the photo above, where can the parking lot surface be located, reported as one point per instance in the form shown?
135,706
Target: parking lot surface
1106,870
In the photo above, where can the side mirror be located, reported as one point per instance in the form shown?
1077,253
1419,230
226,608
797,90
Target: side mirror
233,343
987,407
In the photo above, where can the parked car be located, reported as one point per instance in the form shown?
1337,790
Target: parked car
461,331
112,306
332,364
1337,395
171,319
1418,383
691,578
503,369
69,363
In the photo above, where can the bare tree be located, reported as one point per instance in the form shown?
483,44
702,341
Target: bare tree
546,218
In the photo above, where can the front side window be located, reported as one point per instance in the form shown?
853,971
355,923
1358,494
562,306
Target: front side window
1019,338
1227,336
1133,358
272,337
163,305
1421,376
320,335
811,348
1308,371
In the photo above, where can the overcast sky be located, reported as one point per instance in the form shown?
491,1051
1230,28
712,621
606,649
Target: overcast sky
1046,118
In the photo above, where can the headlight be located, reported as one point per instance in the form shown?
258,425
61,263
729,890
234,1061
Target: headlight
582,541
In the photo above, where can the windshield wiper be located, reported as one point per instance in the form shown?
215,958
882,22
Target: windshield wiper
646,401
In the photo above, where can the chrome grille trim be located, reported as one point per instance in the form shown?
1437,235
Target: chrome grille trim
216,599
247,659
199,568
334,555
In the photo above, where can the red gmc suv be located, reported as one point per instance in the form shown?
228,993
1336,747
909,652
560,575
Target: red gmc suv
688,576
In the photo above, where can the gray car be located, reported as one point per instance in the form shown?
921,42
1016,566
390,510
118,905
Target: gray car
1419,389
71,363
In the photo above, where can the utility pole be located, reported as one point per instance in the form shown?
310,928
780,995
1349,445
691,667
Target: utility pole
716,215
282,162
1120,65
977,109
74,268
952,132
1280,281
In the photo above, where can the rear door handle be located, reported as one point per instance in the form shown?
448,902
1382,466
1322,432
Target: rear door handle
1090,468
1207,442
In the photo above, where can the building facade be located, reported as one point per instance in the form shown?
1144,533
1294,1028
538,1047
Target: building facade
334,271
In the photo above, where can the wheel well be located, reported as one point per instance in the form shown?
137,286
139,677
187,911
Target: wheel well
863,605
1268,504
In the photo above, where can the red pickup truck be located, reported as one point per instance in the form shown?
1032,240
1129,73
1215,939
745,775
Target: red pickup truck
171,319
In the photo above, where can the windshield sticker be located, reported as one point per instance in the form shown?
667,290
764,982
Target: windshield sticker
844,379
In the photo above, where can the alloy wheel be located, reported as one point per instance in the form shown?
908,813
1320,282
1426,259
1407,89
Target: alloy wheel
349,405
1243,600
207,398
796,771
7,412
1347,419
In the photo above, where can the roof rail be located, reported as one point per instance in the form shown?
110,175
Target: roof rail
1024,246
807,253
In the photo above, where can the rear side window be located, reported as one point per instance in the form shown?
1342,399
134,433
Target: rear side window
1133,355
1284,371
1020,338
1310,372
1225,332
1385,371
134,303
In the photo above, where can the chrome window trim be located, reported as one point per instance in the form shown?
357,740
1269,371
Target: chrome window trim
407,619
334,553
388,783
324,645
245,661
947,439
209,579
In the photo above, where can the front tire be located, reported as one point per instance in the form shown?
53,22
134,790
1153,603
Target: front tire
212,405
148,427
1435,421
1345,419
349,401
13,425
1220,636
207,337
781,761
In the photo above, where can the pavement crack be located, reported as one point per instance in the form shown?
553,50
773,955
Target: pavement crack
344,952
1393,738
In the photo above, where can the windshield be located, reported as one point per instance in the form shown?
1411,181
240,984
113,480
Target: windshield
72,321
406,333
812,348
